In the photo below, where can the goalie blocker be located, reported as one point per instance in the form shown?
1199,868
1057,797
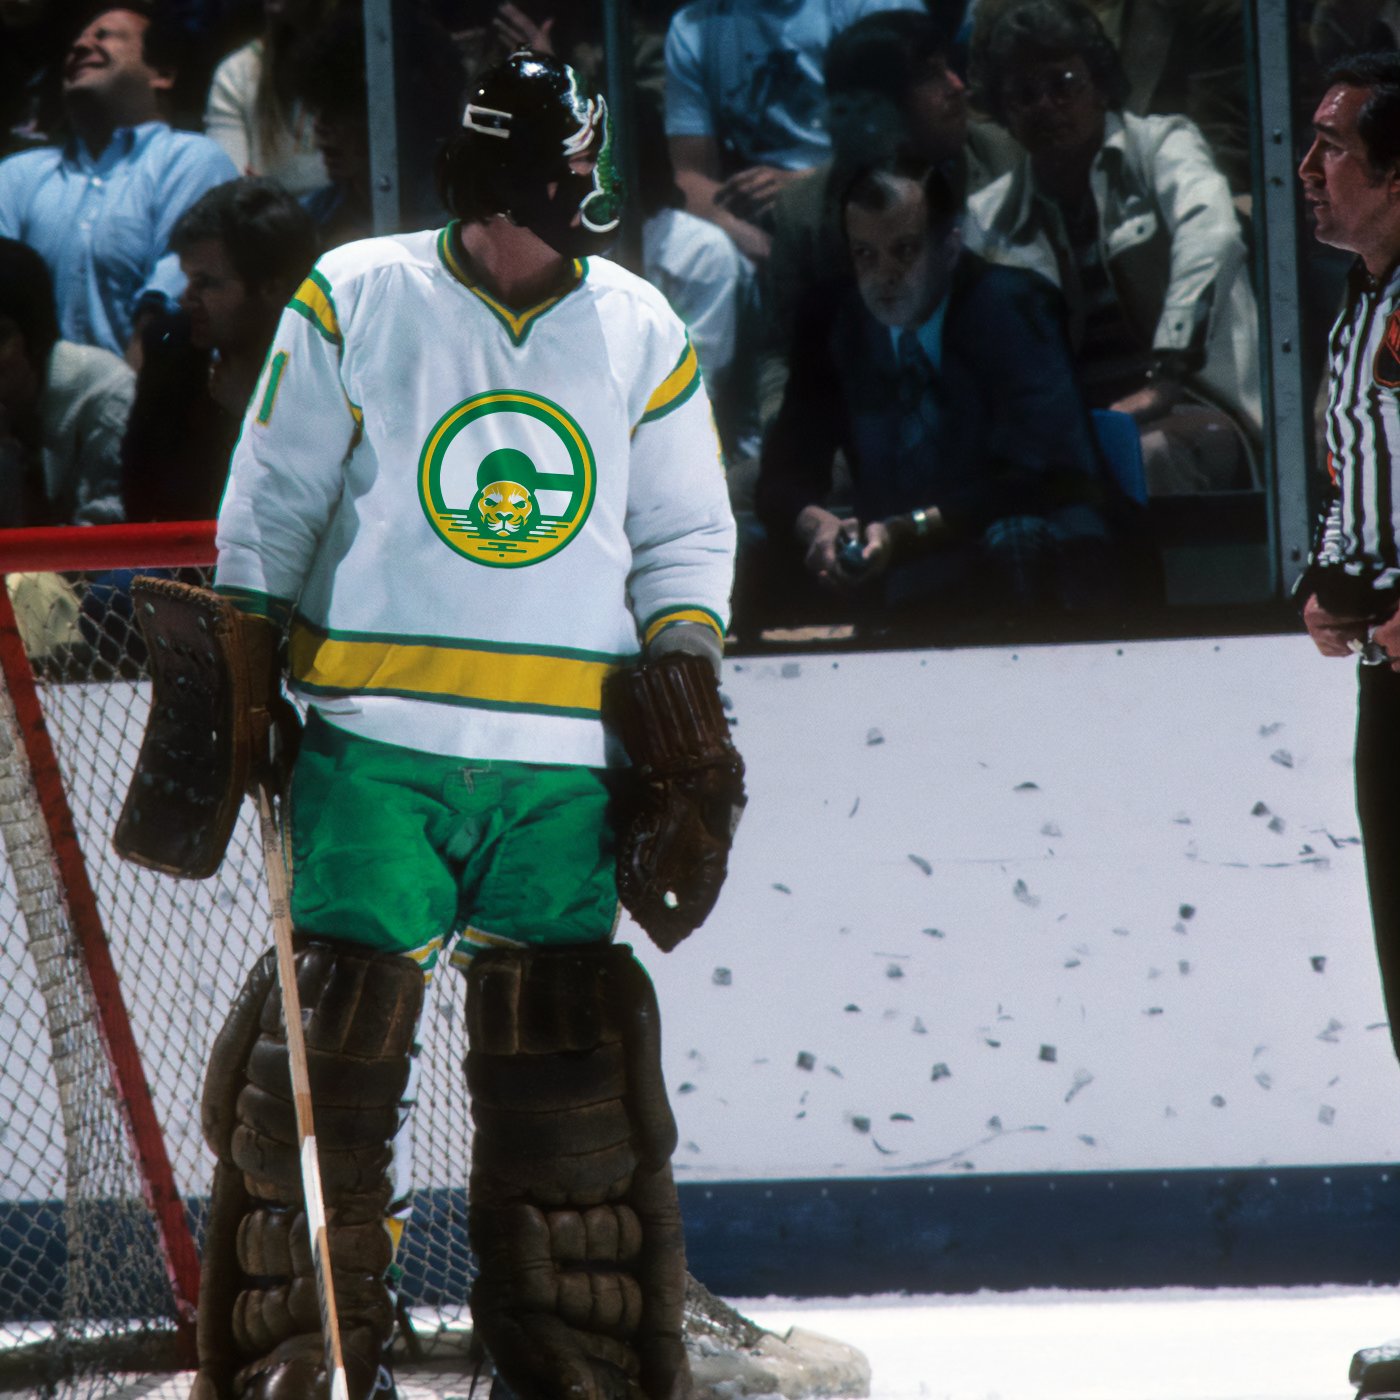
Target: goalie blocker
685,794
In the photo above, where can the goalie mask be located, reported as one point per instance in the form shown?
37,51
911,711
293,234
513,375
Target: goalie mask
527,120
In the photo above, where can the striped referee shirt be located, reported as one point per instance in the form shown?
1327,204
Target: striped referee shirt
1361,533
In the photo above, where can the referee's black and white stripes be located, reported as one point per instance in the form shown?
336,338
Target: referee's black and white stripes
1362,531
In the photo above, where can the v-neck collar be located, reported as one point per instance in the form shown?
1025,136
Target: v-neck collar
518,324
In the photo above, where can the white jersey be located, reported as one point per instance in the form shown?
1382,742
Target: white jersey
471,514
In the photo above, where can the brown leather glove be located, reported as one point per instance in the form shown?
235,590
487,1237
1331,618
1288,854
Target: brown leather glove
685,797
218,727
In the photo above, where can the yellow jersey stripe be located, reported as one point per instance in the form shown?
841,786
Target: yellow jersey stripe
313,301
476,940
678,386
700,615
459,675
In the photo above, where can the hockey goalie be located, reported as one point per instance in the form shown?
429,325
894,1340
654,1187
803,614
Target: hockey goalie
477,513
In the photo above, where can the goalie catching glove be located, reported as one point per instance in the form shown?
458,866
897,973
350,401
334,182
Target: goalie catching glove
219,727
687,793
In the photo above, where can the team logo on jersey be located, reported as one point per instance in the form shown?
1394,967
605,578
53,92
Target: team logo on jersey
506,478
1386,366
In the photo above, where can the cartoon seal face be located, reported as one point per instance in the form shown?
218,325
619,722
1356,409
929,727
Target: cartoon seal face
504,507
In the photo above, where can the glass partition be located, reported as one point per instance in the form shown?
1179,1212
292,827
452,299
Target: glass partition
1091,415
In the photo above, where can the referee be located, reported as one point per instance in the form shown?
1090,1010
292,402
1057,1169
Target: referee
1351,182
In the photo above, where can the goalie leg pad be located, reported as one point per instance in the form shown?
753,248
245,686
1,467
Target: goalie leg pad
361,1010
228,1060
219,1285
220,1279
573,1212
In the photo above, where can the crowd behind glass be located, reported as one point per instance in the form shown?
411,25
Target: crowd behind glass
972,289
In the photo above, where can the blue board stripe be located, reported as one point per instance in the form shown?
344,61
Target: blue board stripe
835,1238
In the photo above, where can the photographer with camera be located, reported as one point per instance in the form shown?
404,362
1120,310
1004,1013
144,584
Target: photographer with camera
947,385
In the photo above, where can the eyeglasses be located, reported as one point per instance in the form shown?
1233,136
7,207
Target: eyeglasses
1056,88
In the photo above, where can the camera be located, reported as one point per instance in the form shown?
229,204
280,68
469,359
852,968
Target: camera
850,553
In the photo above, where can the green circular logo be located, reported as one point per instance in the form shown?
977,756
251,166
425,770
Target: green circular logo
506,478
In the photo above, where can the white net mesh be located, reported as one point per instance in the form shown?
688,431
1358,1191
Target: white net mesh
84,1292
87,1305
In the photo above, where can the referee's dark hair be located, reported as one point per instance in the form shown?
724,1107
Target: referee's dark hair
1044,29
1378,121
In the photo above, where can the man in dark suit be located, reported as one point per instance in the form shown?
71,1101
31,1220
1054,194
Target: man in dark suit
948,385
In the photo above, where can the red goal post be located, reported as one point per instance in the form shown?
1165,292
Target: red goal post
113,983
55,896
92,547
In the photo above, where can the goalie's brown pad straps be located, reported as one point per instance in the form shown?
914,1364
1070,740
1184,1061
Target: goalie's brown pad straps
220,1279
362,1010
193,767
572,1209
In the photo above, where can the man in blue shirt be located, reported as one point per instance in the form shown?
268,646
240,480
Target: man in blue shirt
746,105
99,209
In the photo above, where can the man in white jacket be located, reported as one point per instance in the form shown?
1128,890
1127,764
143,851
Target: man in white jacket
1131,218
63,408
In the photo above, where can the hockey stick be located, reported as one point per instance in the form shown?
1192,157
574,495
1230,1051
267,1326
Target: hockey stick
301,1093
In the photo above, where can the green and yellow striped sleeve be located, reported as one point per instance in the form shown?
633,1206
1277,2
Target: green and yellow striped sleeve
676,388
313,300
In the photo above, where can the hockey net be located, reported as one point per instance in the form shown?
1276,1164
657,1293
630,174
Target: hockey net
113,983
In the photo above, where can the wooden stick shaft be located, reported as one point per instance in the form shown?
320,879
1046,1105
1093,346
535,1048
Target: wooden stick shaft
301,1094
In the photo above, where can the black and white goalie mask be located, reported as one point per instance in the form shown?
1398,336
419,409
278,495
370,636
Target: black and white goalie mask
530,118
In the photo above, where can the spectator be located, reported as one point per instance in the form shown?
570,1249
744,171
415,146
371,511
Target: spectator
100,208
573,33
251,111
244,248
1130,217
341,208
888,83
696,266
745,102
947,383
1339,29
62,408
1179,58
430,108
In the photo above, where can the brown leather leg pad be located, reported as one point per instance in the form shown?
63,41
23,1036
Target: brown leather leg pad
361,1010
573,1211
219,1277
